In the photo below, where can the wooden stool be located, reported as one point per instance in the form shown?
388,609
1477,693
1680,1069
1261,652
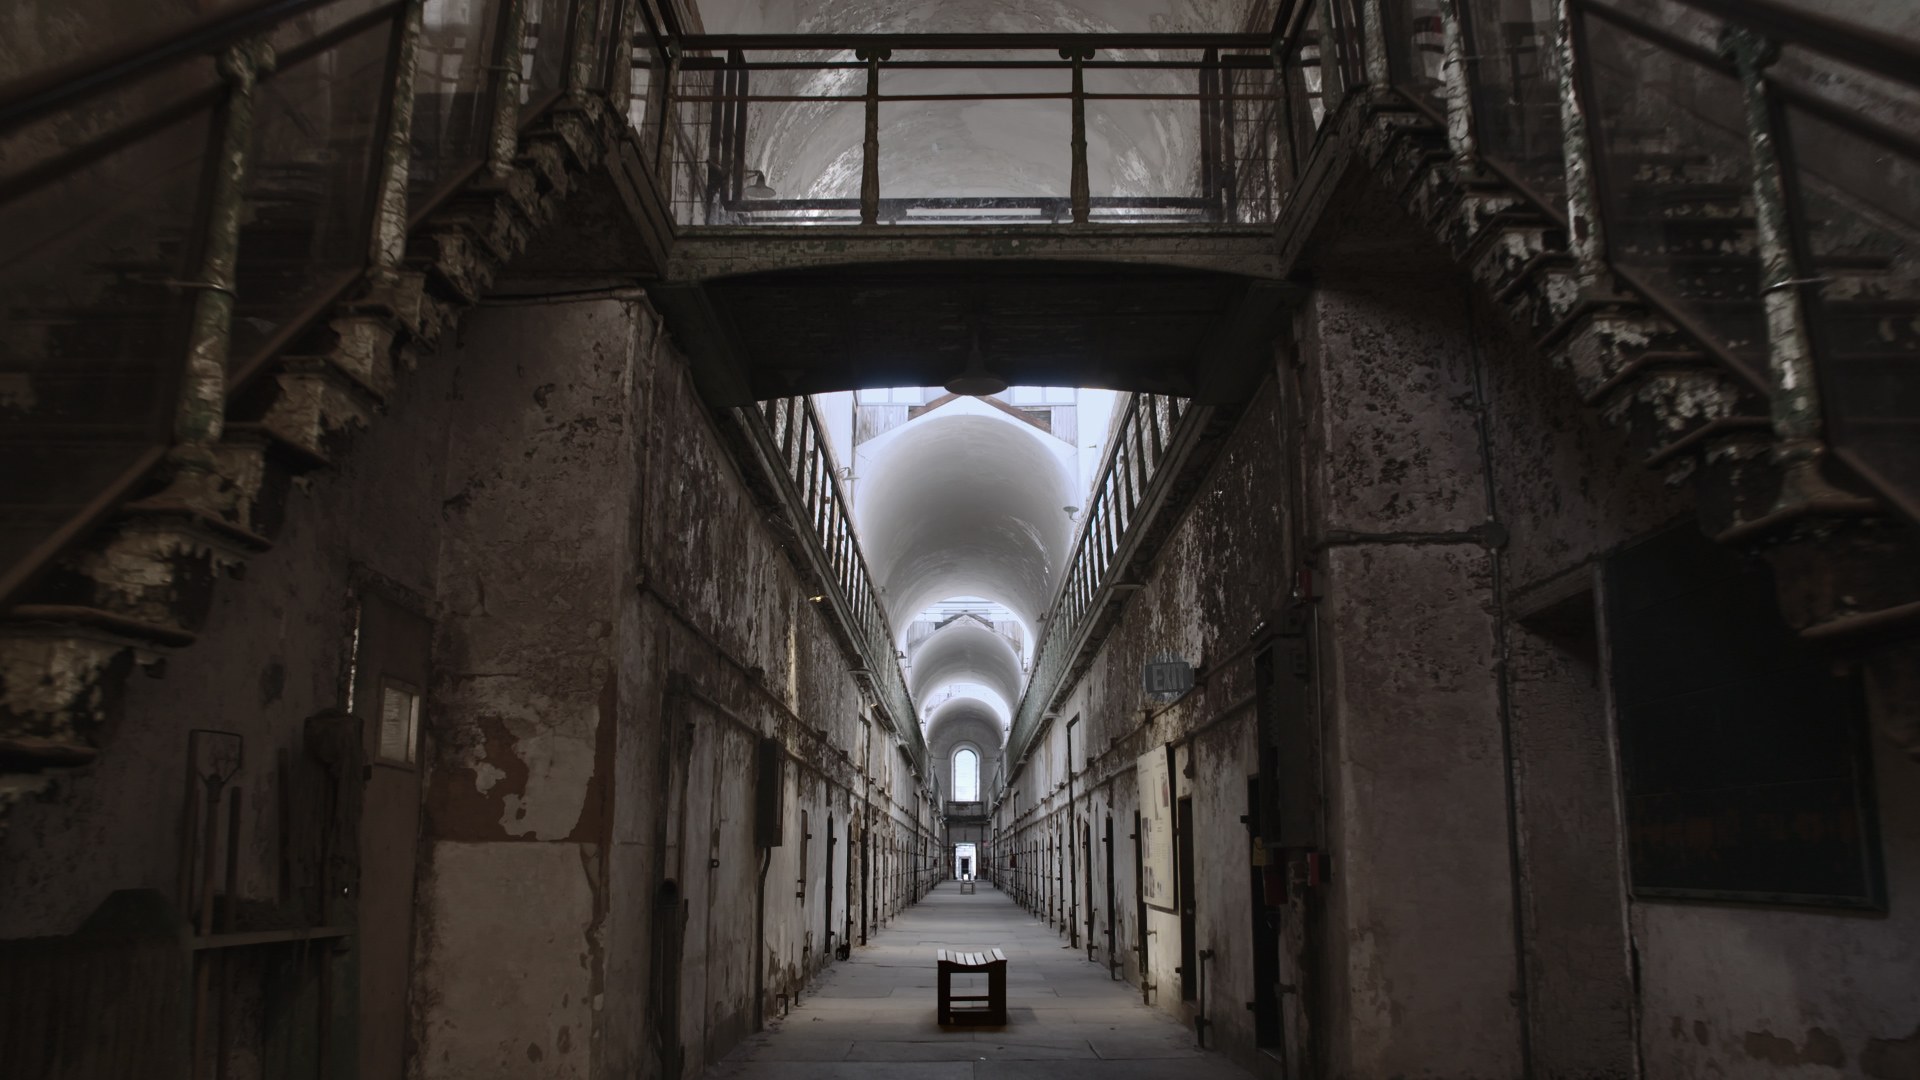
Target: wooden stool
993,1004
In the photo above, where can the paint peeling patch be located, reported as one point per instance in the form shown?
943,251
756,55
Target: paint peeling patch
596,810
1892,1059
469,795
1820,1048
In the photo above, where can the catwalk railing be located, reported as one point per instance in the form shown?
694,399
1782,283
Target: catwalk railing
794,444
178,210
1151,439
1747,167
1164,127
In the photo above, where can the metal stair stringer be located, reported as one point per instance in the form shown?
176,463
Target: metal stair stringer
140,583
1846,569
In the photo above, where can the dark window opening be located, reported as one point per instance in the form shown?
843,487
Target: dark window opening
1743,753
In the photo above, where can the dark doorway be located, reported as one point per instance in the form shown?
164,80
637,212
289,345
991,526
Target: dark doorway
389,681
1267,904
668,922
1140,910
1189,957
866,882
1086,849
832,841
1112,905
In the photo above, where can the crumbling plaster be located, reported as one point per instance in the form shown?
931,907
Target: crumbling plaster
550,489
1416,419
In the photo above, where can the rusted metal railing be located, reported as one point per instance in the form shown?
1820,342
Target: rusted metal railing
793,442
1151,439
1748,168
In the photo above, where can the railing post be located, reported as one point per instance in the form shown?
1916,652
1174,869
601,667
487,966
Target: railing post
503,144
1795,396
586,20
1373,17
1209,85
1587,236
870,148
1283,115
737,151
388,245
200,418
663,148
1078,191
1459,89
620,58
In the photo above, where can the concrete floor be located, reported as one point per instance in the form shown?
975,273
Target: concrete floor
872,1017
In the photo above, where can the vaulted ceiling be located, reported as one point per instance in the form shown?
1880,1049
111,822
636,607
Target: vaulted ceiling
966,651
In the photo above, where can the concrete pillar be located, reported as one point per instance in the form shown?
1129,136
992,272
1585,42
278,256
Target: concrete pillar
1419,942
536,589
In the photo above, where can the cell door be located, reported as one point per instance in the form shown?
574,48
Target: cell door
1112,904
1086,855
391,662
1189,957
1267,904
827,932
1140,908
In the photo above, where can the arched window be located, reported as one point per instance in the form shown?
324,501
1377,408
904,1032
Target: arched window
966,776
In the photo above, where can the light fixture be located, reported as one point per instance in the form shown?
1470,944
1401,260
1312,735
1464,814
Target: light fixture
976,380
1071,510
758,188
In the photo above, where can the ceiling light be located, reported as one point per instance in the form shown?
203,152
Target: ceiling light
976,380
758,189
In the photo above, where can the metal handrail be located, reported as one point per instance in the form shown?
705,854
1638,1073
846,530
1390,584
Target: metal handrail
707,100
1883,54
34,96
1150,439
1793,319
795,440
964,42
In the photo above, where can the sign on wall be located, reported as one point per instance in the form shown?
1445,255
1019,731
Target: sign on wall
1166,678
1156,829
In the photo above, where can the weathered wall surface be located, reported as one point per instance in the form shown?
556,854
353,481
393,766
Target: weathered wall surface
1421,970
1218,575
1457,501
276,649
664,630
1752,991
615,632
536,565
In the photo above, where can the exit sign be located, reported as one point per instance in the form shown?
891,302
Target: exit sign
1166,678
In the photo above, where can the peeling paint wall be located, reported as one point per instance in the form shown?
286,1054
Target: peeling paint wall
1478,921
1218,575
624,634
616,629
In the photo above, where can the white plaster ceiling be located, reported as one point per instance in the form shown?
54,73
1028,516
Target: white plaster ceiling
965,505
965,720
965,651
973,148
